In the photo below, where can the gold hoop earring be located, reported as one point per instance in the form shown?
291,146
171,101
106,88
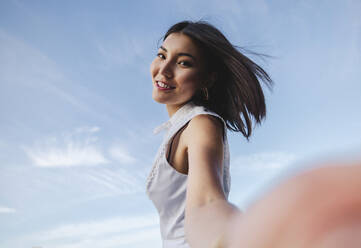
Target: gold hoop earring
205,93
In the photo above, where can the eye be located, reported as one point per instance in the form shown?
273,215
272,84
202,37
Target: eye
185,63
160,55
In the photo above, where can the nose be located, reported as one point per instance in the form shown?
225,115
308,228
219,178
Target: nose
165,69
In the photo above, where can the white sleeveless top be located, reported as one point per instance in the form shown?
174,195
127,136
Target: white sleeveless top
166,187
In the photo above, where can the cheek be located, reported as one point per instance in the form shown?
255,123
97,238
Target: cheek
191,80
153,67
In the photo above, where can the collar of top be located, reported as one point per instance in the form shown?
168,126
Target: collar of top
175,117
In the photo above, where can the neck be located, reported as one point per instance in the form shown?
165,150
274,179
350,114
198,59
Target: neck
172,108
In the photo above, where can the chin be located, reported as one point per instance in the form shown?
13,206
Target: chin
159,99
164,99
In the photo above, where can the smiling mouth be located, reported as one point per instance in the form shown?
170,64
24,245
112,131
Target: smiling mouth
164,86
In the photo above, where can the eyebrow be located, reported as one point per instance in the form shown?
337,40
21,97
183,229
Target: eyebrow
180,54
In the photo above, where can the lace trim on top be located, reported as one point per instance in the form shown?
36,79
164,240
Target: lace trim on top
178,117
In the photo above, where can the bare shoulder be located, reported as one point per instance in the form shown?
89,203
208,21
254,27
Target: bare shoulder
205,160
205,127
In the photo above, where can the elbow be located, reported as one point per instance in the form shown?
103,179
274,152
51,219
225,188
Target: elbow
206,225
206,200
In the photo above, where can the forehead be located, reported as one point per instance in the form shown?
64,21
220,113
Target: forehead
178,42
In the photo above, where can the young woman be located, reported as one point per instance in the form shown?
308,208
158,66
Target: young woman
208,86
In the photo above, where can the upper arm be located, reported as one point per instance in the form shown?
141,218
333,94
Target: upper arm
205,160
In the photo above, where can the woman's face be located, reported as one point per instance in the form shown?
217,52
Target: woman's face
176,71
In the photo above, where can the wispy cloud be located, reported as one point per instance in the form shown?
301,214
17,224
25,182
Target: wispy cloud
80,148
76,148
87,129
99,228
120,154
114,232
264,161
255,173
6,210
70,155
112,182
70,149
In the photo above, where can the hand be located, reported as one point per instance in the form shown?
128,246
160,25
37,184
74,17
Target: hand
319,208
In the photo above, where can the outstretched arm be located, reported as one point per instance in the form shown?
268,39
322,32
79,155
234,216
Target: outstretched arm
208,213
320,208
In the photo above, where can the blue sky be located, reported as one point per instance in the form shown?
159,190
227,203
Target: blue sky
76,113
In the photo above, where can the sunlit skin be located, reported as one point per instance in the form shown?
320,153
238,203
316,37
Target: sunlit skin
178,64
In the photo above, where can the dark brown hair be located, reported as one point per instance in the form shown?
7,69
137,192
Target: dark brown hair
235,93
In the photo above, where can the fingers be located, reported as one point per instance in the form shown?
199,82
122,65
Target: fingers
308,210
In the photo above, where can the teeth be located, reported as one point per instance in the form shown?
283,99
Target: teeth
163,85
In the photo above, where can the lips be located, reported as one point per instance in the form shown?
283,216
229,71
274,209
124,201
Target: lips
163,85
